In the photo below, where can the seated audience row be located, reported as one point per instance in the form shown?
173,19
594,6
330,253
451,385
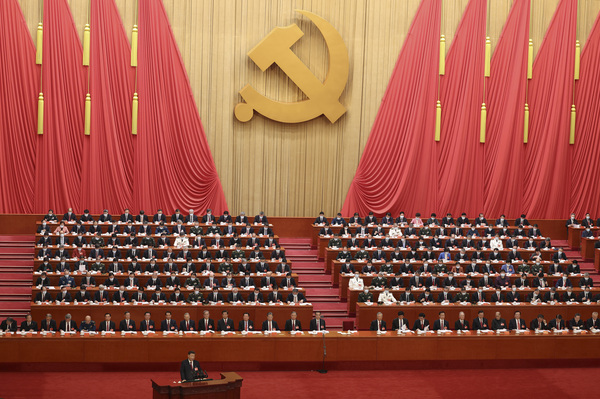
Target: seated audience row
481,323
168,324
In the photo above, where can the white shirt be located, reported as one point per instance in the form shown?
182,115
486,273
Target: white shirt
496,243
386,297
356,284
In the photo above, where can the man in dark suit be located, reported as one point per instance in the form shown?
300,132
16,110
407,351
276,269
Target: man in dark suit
261,218
557,323
206,323
296,297
225,324
48,324
190,368
29,325
538,323
480,323
107,325
187,324
147,324
516,323
461,324
317,324
400,323
421,323
8,325
68,325
498,323
168,324
270,324
43,295
293,324
593,322
441,323
378,324
246,324
127,324
159,216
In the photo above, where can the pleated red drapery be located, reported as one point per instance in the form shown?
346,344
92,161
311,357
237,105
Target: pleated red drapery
585,168
398,162
505,102
174,164
19,88
548,154
59,149
460,155
109,160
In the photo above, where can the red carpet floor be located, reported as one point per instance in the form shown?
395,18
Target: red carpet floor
503,383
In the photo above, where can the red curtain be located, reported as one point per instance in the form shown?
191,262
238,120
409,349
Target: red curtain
19,88
398,163
173,163
585,169
59,149
547,169
460,155
108,162
505,101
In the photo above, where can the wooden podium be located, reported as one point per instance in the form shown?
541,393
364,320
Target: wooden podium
228,387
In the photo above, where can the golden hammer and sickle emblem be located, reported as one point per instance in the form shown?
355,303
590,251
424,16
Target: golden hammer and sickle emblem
323,97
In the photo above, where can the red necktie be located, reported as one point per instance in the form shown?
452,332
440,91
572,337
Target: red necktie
107,326
246,325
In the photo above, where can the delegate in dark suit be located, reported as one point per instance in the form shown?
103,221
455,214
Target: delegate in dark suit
189,370
295,326
223,325
312,326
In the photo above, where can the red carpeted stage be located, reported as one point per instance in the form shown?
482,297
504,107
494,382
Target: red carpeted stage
449,383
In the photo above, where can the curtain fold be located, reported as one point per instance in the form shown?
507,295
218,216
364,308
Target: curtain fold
547,168
398,163
59,149
19,88
505,100
460,155
174,167
108,163
585,168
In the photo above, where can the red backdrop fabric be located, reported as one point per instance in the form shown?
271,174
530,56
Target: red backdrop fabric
174,164
59,149
460,155
548,154
398,162
505,101
19,88
585,168
109,160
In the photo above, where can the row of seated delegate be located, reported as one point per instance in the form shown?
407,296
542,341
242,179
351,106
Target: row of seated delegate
196,295
159,217
203,253
167,325
481,323
148,230
478,296
447,221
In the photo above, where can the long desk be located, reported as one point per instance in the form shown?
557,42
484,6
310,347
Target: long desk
331,254
258,313
316,228
286,351
352,295
323,241
365,314
143,278
367,278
